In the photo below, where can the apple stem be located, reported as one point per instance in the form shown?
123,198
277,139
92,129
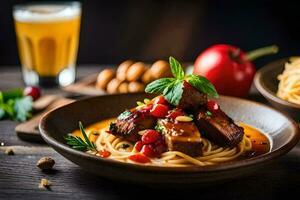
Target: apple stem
252,55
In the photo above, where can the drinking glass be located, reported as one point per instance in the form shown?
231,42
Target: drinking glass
47,37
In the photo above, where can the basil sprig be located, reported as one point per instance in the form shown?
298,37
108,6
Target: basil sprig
202,84
172,88
176,68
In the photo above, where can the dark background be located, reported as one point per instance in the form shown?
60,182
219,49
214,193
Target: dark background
112,31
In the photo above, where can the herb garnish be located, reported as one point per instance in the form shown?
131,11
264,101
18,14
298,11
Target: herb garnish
208,113
159,128
79,144
14,105
172,88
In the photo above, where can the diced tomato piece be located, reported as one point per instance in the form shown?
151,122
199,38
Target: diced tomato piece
104,154
148,150
212,106
175,113
139,158
159,110
160,100
138,145
150,136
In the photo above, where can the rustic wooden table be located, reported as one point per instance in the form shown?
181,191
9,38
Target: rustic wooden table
19,176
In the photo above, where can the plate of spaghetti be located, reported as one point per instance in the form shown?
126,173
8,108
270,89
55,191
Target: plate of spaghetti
179,132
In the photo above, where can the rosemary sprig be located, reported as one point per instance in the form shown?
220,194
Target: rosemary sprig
79,144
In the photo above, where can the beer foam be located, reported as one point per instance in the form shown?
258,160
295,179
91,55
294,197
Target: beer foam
46,12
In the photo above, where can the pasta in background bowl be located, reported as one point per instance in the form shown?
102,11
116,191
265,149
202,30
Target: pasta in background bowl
289,81
278,82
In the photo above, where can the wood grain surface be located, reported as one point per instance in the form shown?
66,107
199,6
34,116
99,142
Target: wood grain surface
29,130
19,176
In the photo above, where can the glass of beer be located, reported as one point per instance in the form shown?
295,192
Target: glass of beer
47,37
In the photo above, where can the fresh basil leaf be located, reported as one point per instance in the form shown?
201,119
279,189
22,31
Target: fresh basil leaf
172,88
173,92
202,84
22,108
176,68
159,85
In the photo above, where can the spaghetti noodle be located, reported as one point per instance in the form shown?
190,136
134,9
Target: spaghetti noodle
212,153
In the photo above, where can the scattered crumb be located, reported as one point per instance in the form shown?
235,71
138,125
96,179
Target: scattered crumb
45,163
9,152
45,183
2,144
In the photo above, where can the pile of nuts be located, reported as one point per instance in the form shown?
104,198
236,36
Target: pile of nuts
131,77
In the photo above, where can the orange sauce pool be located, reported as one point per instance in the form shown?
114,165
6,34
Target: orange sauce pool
94,129
260,142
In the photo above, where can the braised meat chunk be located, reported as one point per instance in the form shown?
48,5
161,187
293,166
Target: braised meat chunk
129,123
191,98
181,136
219,128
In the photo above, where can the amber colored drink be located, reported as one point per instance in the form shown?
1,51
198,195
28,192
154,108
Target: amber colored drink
47,36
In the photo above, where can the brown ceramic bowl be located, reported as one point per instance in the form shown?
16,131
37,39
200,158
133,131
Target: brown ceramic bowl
267,84
282,131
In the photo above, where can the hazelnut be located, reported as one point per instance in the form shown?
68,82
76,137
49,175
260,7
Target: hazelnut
45,183
147,76
45,163
123,88
136,87
113,86
122,69
135,71
104,78
160,69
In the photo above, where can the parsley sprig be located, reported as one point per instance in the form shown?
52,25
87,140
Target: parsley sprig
172,88
78,143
